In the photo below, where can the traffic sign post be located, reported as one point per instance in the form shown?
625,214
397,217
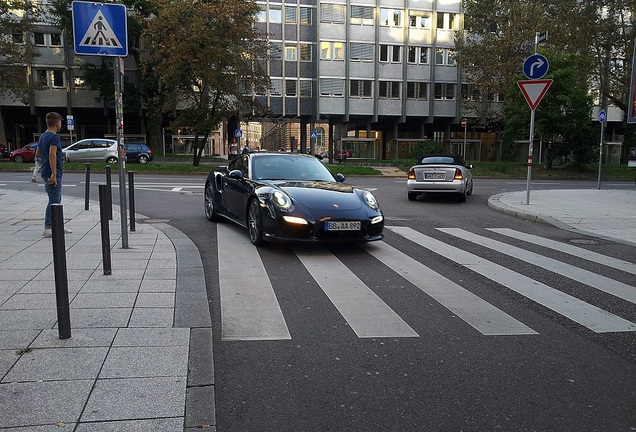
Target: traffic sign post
70,125
602,116
464,124
102,29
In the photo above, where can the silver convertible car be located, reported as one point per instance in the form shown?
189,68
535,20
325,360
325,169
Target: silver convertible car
291,197
440,174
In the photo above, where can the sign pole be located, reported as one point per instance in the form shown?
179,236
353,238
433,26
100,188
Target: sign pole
530,150
121,155
601,118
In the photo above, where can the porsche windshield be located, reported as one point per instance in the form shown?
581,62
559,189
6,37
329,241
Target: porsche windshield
289,167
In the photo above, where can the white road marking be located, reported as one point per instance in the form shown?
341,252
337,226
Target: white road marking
366,313
481,315
249,308
569,249
592,317
601,283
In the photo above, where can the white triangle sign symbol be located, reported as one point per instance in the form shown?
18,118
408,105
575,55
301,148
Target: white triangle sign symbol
534,90
100,34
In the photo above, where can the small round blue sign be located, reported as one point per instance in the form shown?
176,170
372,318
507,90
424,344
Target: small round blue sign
536,66
602,116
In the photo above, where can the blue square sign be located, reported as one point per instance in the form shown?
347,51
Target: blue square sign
100,29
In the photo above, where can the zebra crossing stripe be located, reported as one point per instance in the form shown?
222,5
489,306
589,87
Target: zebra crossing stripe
585,314
601,283
481,315
569,249
249,308
367,315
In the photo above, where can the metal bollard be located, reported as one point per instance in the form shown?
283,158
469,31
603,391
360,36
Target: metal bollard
103,219
109,196
59,264
87,186
131,198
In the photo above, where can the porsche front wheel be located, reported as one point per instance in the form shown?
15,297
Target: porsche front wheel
255,223
210,211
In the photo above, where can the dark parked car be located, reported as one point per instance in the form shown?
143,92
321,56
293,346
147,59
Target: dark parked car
4,151
291,196
442,173
24,154
138,152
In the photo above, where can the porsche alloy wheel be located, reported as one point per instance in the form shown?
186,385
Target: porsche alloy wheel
210,211
255,223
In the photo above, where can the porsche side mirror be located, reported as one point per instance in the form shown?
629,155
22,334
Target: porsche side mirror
340,177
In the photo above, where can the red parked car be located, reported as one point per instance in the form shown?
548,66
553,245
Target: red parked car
24,154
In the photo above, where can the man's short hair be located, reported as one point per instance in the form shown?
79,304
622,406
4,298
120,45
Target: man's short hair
52,118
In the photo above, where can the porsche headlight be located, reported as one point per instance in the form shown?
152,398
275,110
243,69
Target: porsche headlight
371,201
281,200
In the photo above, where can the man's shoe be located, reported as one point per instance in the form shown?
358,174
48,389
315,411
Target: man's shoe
34,180
49,233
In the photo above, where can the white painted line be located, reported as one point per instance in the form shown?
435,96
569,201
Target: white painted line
478,313
176,189
366,313
569,249
249,308
601,283
590,316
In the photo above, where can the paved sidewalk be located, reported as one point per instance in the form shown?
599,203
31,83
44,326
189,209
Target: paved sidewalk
607,214
140,355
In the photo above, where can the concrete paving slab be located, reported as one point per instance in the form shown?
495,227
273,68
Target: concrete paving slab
152,317
105,317
162,425
52,364
17,339
136,398
80,337
146,362
160,337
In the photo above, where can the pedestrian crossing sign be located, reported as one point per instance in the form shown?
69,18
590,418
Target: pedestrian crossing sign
100,29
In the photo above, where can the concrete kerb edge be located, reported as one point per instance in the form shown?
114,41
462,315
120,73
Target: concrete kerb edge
200,395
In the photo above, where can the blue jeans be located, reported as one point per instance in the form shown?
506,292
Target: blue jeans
55,197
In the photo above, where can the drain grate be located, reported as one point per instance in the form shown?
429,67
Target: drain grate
584,241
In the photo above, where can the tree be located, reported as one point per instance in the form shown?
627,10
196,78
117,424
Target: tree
207,58
562,119
17,53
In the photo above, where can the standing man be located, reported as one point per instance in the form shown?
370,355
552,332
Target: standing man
38,163
233,149
50,149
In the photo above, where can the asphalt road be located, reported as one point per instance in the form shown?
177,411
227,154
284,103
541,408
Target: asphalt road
430,366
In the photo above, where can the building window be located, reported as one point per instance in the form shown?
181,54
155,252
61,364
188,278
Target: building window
447,21
362,15
445,57
56,39
38,39
419,19
332,13
360,88
391,17
417,90
418,55
17,38
450,58
306,88
390,89
305,52
331,50
361,51
444,91
261,16
291,53
275,15
439,56
391,53
470,93
42,76
331,87
305,16
276,50
277,87
58,78
291,87
290,14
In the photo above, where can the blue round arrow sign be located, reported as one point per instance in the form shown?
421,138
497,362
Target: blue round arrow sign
602,116
536,66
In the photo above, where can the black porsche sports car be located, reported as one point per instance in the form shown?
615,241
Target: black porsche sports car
291,196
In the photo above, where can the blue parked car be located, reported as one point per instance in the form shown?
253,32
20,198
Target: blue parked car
138,152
